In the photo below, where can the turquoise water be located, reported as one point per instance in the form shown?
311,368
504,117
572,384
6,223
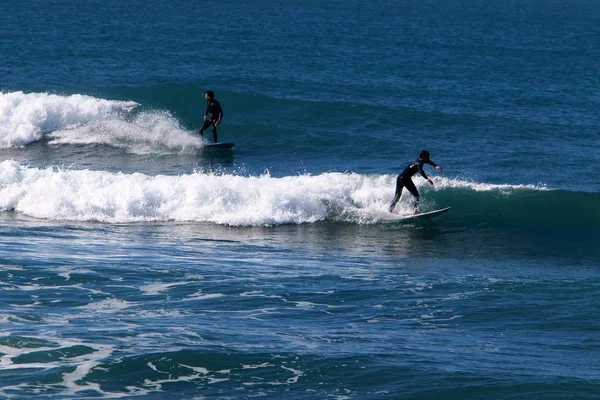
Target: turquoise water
136,263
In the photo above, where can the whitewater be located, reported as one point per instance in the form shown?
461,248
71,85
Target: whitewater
83,195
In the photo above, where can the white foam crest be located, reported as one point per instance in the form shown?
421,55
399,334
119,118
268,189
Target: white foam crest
149,132
25,117
224,199
102,196
447,183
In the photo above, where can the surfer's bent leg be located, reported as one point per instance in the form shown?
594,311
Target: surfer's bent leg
399,187
410,185
205,125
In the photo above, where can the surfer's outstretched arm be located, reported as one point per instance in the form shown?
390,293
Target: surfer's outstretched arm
434,165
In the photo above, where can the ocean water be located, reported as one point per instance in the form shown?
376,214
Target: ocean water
136,263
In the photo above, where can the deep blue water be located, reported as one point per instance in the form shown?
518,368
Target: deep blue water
134,262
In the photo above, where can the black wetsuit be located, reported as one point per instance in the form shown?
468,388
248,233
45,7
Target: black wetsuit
213,114
404,180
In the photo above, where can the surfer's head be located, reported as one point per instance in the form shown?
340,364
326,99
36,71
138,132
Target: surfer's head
209,95
424,155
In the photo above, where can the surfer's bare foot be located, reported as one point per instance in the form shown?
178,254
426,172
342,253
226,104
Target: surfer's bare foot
416,212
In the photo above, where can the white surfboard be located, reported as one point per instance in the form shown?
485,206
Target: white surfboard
426,215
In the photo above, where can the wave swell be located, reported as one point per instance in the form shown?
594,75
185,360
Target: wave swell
85,195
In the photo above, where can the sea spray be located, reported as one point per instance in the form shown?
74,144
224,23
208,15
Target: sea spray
26,117
85,195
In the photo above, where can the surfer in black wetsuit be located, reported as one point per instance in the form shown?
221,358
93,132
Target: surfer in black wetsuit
404,179
213,114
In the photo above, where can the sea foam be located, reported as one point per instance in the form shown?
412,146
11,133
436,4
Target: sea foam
85,195
26,117
78,119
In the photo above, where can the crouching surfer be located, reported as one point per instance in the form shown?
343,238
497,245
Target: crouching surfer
404,180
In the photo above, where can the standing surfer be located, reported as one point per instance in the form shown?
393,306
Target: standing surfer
404,179
213,114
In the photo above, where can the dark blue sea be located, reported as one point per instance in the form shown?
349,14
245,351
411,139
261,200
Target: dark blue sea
136,263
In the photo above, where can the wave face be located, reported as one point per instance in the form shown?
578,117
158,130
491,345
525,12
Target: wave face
283,135
83,195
